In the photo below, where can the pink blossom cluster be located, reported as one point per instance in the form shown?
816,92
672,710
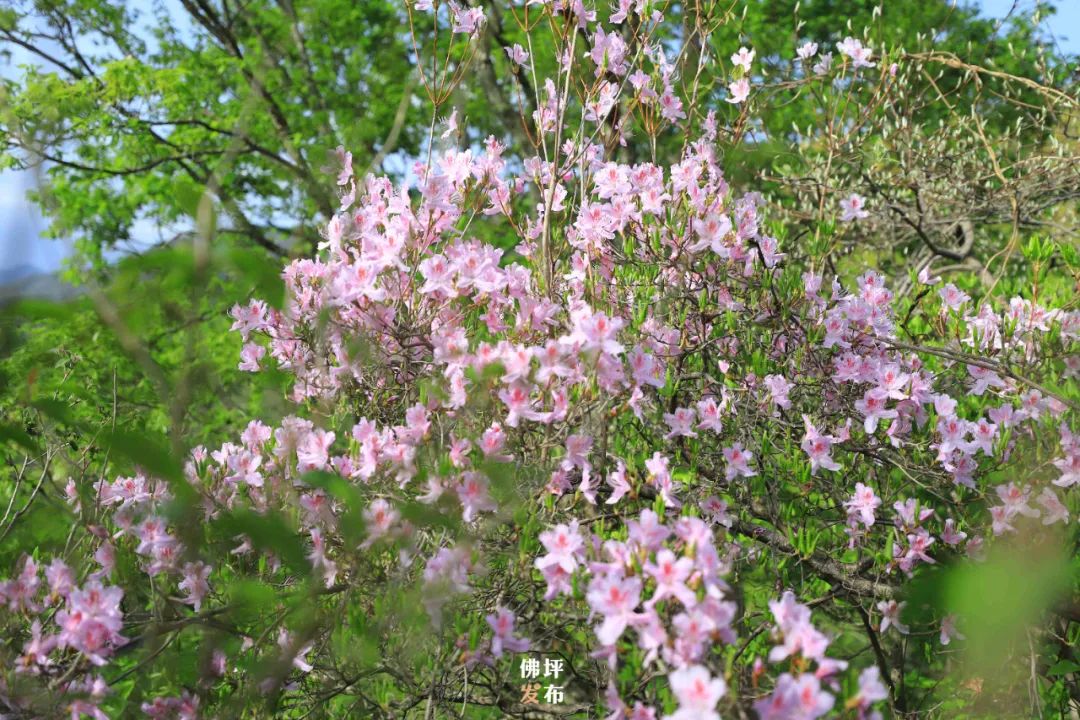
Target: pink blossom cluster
659,593
87,619
646,351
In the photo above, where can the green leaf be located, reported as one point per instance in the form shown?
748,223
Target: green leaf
269,532
15,434
1063,667
261,273
149,452
56,410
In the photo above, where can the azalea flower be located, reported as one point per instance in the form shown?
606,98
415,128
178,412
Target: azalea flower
502,623
738,91
697,693
854,49
890,616
853,208
517,54
807,50
743,58
738,462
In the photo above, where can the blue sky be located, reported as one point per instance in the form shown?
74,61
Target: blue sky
21,224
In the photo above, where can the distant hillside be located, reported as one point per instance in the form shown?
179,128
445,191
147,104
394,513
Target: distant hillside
14,273
25,281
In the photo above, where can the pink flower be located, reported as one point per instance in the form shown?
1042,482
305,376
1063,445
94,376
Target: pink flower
890,616
716,510
645,368
863,504
671,575
871,689
1000,517
807,50
318,558
818,448
577,450
105,556
615,598
20,593
502,623
619,485
738,91
417,423
671,107
195,583
491,442
681,423
1056,511
948,630
298,657
799,635
892,382
152,535
854,49
918,544
473,493
520,404
1069,467
596,331
60,578
35,654
853,207
250,355
314,451
743,58
953,297
459,447
344,158
91,621
984,379
697,691
255,435
558,581
184,707
78,708
711,231
709,412
950,535
249,319
660,476
516,360
553,362
466,20
983,433
517,54
379,518
795,698
1016,499
906,513
824,64
438,276
779,388
738,462
647,532
926,278
244,465
872,406
565,548
608,52
658,468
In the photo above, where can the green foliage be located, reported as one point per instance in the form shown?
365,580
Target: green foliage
246,106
